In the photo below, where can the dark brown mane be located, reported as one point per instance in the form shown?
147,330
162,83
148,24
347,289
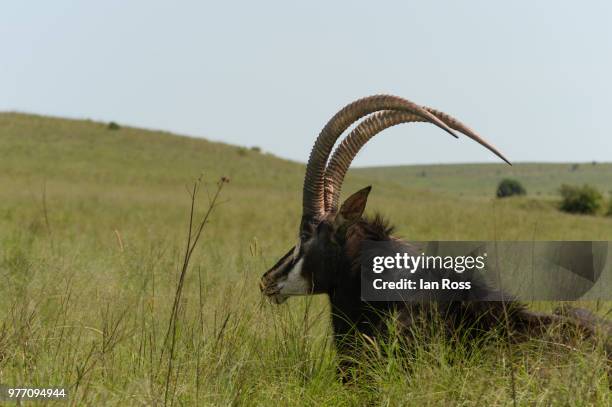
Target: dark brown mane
376,228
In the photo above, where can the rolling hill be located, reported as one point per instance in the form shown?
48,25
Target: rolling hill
93,225
79,161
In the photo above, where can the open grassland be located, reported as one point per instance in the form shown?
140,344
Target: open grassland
93,230
480,180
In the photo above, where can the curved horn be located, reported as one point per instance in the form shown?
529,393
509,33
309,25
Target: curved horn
313,203
368,128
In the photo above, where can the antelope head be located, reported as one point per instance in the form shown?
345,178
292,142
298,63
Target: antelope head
312,266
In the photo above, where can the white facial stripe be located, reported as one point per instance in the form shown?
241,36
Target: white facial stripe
296,251
295,284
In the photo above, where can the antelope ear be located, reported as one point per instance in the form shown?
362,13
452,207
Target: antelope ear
352,209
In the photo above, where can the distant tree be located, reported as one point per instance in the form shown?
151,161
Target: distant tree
585,199
509,187
256,149
113,126
574,167
609,208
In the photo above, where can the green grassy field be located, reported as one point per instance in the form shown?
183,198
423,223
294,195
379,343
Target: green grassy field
541,180
93,228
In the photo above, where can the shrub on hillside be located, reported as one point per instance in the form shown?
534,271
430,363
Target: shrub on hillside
585,199
609,209
509,187
113,126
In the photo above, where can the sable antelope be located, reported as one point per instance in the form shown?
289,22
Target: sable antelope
325,259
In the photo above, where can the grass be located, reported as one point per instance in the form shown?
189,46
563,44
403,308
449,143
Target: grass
540,179
93,233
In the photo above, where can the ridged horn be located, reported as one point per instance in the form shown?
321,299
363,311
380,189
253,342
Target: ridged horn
313,203
368,128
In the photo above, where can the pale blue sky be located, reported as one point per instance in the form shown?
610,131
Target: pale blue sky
533,77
